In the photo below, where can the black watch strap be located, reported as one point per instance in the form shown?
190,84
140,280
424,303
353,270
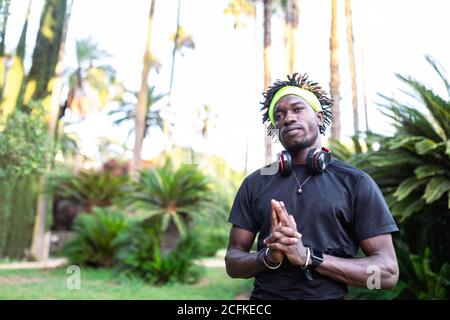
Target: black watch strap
316,258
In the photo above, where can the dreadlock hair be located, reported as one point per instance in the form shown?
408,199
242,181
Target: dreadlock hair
301,81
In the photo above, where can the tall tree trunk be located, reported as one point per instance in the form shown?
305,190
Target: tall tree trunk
351,56
172,72
40,85
141,108
287,33
46,51
55,125
291,27
363,76
267,75
334,73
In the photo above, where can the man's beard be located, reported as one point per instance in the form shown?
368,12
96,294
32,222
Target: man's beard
302,144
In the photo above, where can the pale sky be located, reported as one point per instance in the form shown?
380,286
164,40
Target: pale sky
225,71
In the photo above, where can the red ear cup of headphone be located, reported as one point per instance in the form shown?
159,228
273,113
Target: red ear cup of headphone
285,163
317,160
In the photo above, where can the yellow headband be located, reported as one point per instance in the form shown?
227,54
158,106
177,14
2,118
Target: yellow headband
308,96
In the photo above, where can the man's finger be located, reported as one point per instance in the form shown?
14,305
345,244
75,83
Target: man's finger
293,223
289,232
283,207
278,246
287,240
282,216
273,237
273,217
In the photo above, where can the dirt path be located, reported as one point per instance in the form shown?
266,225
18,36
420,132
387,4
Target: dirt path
48,264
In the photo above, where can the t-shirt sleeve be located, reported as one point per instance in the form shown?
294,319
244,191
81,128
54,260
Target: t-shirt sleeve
372,216
242,214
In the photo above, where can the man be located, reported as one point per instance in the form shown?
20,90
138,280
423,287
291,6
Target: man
310,224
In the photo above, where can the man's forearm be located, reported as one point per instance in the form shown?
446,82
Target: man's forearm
240,264
356,272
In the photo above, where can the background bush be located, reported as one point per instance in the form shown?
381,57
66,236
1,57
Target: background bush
96,243
24,145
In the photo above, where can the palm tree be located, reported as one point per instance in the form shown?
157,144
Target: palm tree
351,56
46,52
172,198
180,40
334,73
39,86
89,83
363,80
238,8
412,169
291,14
207,117
127,112
142,105
267,73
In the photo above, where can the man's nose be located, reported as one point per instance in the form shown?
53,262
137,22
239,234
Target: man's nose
289,118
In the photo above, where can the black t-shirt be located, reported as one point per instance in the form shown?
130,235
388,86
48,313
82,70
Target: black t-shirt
338,208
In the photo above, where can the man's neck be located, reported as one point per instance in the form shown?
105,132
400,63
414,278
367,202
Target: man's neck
299,157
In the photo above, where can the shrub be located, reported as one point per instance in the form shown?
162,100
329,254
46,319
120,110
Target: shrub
24,146
412,168
75,193
142,256
210,238
96,243
173,197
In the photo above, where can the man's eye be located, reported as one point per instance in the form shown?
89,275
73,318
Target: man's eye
297,109
278,116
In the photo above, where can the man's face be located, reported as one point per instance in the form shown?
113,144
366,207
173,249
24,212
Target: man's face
298,123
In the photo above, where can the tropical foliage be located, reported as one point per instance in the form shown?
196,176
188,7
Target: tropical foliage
173,196
23,147
86,189
142,256
90,82
412,169
96,243
126,112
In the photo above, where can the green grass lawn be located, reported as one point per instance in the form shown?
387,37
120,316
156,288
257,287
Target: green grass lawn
105,284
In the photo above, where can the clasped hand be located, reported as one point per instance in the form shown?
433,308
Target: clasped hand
284,239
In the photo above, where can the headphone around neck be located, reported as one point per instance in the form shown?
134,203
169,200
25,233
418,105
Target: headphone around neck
316,161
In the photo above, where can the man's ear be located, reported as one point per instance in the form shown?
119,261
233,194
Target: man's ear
320,118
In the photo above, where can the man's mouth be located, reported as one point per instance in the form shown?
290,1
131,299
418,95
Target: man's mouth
291,131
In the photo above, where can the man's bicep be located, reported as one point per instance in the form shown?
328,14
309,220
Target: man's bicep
241,239
378,245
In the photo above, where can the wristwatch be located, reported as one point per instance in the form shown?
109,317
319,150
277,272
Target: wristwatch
316,258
